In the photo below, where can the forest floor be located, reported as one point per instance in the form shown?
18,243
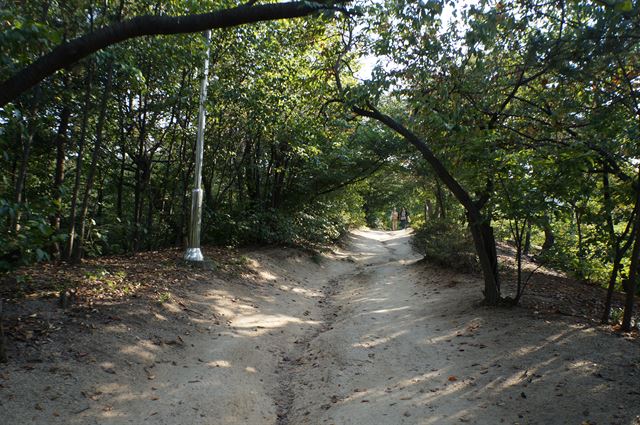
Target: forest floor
367,334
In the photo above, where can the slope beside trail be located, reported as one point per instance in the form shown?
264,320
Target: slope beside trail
366,335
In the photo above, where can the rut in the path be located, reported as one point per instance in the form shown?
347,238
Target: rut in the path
290,364
289,367
291,360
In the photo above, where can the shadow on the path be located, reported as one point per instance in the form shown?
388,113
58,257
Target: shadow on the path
469,359
475,362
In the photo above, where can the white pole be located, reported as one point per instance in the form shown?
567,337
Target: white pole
193,252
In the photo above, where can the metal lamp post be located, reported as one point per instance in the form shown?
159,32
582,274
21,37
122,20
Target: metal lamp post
193,252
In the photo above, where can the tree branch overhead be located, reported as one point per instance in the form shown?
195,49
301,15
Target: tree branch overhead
70,52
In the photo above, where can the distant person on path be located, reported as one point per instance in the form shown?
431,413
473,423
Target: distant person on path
404,218
394,219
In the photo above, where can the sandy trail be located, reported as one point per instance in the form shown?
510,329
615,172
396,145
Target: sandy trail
412,345
364,336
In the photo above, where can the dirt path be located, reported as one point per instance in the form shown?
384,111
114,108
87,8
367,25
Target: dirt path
365,336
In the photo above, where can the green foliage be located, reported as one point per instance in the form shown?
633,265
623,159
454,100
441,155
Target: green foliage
528,123
320,224
279,158
616,315
164,297
446,243
30,243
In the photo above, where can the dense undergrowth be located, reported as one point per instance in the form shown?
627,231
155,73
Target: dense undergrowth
314,227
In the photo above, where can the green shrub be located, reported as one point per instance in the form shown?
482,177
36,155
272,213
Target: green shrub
30,244
616,315
317,225
447,244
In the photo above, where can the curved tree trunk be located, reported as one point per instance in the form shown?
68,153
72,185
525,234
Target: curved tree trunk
481,230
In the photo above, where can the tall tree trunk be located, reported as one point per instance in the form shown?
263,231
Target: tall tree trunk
3,341
26,154
527,239
142,188
137,206
442,208
150,243
184,210
140,172
79,162
98,207
620,251
120,186
20,179
631,283
485,245
578,217
614,245
22,173
122,138
26,148
95,157
58,175
613,277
